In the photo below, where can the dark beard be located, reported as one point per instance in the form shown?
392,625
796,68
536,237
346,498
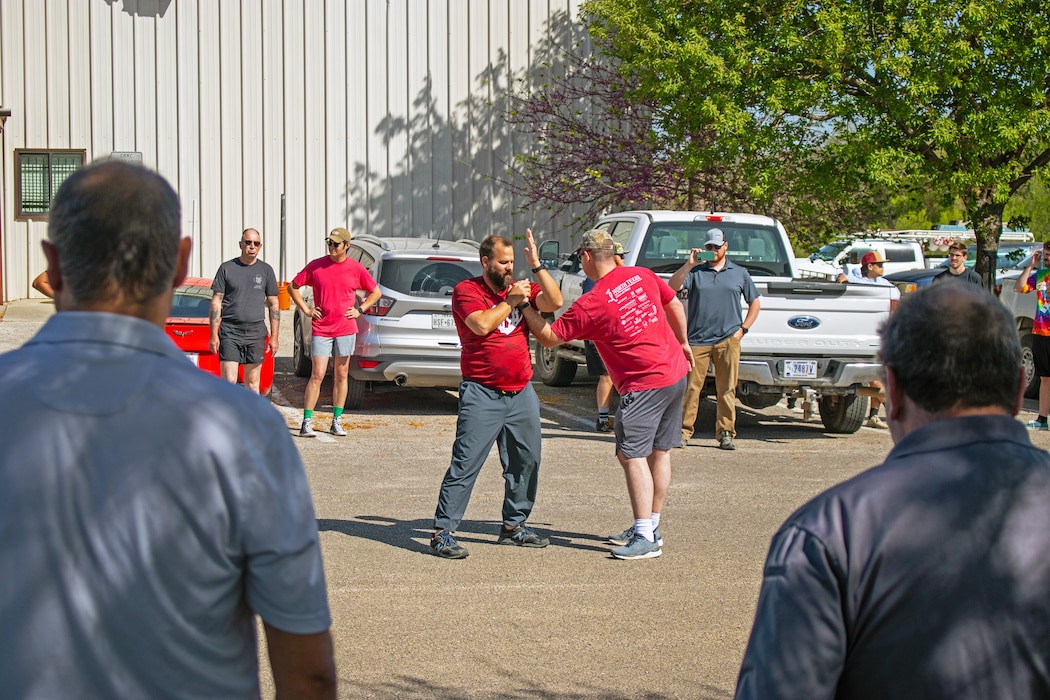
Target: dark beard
498,279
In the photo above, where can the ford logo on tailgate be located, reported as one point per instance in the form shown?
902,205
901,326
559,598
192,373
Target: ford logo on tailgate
803,323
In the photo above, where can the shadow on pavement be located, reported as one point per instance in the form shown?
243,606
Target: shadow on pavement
414,535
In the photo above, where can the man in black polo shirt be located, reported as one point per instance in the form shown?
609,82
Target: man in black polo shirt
926,576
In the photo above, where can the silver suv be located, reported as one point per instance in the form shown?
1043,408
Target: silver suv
408,337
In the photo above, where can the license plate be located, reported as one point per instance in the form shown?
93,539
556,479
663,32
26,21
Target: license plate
801,369
442,321
194,358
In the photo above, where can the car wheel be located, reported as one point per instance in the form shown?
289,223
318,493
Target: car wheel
843,414
553,370
301,362
1031,390
355,394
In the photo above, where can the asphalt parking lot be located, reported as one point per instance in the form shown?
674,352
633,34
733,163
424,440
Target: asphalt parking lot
567,621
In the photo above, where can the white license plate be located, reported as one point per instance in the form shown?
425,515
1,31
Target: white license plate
194,358
442,321
801,369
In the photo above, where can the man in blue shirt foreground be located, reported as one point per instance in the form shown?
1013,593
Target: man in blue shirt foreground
148,510
927,576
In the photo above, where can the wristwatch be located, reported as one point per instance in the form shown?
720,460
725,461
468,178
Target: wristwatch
537,269
525,304
745,329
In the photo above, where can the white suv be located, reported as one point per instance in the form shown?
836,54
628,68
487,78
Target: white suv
408,337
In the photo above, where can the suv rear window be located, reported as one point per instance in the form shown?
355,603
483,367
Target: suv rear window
426,277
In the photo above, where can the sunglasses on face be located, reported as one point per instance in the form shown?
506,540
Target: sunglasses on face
331,244
253,244
712,246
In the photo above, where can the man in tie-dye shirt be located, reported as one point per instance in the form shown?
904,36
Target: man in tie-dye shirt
1026,282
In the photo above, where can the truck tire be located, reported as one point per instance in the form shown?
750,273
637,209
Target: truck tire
1031,390
355,394
759,401
843,414
301,362
553,370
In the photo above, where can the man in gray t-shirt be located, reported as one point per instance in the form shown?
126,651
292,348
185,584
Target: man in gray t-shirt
244,287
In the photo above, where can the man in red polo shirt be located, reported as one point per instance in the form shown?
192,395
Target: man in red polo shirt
497,404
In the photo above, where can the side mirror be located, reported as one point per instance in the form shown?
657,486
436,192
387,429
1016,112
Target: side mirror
550,254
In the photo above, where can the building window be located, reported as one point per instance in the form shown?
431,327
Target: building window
38,175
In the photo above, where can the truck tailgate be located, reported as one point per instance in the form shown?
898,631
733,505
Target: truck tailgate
813,318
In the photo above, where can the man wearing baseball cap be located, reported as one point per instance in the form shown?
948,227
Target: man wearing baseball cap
716,326
335,280
870,272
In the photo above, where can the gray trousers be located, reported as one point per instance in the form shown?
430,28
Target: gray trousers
513,424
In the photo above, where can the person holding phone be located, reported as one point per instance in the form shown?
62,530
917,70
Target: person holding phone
716,326
1026,282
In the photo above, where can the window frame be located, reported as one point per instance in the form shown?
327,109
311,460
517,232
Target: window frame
19,153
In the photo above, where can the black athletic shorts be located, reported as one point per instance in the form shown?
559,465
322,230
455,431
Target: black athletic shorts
1041,355
245,345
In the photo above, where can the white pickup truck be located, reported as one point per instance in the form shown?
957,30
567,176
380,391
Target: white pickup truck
812,339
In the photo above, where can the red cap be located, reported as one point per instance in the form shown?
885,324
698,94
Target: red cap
870,258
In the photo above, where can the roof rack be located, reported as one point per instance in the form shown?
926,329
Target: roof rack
939,235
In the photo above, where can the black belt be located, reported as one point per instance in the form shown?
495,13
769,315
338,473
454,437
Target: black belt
501,392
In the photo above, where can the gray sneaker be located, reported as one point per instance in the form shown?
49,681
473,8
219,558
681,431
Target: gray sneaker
307,430
337,429
624,537
522,536
638,548
445,546
726,441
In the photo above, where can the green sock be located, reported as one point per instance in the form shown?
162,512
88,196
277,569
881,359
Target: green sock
337,411
307,413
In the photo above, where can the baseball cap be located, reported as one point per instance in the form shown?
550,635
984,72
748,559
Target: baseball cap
339,235
618,249
872,257
715,237
597,239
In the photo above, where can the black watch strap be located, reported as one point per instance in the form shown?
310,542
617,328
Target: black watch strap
745,329
537,269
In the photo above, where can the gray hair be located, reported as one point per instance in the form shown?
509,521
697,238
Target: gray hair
116,227
953,345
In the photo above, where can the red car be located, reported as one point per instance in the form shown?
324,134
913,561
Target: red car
187,325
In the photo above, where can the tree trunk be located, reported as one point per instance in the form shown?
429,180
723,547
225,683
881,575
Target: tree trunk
986,217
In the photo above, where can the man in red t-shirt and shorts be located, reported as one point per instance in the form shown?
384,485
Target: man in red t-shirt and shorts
638,326
335,280
497,404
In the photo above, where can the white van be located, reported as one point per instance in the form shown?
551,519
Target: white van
845,256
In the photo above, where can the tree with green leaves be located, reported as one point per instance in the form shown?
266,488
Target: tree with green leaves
866,95
593,140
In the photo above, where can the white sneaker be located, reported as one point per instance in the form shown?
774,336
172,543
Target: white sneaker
307,430
876,422
337,429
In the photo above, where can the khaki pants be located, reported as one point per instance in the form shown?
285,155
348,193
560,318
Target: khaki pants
726,359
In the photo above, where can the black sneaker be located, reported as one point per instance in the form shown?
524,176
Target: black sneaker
604,426
522,536
726,441
445,545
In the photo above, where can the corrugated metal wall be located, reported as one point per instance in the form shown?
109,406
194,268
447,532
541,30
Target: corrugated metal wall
379,115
